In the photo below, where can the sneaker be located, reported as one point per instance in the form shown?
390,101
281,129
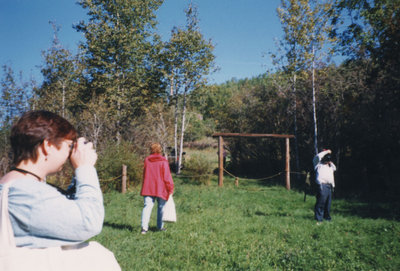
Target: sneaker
143,231
163,229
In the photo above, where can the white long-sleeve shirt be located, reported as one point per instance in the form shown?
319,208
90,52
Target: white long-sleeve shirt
324,172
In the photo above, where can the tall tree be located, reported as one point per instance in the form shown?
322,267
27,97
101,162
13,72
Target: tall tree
306,30
14,99
121,52
292,59
57,91
14,96
319,17
189,58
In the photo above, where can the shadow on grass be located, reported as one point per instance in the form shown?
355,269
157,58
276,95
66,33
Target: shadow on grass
348,207
374,210
118,226
276,214
361,208
343,206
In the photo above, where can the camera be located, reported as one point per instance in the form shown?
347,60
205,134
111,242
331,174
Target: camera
326,159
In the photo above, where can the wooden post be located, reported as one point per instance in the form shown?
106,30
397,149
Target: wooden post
221,152
123,188
287,168
220,161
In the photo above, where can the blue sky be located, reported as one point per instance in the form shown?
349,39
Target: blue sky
243,32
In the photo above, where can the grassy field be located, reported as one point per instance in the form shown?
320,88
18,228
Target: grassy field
251,227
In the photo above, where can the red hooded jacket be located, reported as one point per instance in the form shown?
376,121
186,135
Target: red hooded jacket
157,179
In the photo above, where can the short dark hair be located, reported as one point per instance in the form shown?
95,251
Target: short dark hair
29,132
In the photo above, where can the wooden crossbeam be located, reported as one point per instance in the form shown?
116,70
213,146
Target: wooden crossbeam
251,135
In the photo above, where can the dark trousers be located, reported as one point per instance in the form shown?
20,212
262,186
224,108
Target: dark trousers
323,205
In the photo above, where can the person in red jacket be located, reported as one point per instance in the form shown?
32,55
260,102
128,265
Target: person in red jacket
157,185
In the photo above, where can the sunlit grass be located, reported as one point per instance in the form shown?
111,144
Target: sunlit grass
250,227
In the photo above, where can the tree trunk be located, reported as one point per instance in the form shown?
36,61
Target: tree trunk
174,96
63,100
171,91
182,132
296,146
176,133
164,135
314,105
118,118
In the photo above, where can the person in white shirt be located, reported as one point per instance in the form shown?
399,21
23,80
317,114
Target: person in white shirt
326,182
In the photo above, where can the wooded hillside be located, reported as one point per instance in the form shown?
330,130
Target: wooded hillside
126,87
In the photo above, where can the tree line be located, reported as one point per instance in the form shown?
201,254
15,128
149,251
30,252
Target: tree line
126,85
351,107
114,88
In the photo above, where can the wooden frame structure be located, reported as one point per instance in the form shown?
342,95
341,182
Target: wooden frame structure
221,152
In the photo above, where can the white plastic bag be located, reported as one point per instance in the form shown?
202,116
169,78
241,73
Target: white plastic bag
169,214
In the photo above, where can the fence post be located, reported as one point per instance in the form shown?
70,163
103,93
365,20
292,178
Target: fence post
220,161
123,188
287,168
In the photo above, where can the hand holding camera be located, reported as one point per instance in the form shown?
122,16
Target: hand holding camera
83,153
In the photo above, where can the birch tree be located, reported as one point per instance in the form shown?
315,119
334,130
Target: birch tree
189,58
56,92
306,28
292,15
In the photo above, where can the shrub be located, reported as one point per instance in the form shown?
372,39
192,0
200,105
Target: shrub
201,144
198,128
109,166
199,168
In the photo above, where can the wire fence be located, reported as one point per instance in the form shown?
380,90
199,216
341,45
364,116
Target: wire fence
110,180
241,178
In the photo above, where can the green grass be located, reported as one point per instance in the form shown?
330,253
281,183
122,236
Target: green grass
250,227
